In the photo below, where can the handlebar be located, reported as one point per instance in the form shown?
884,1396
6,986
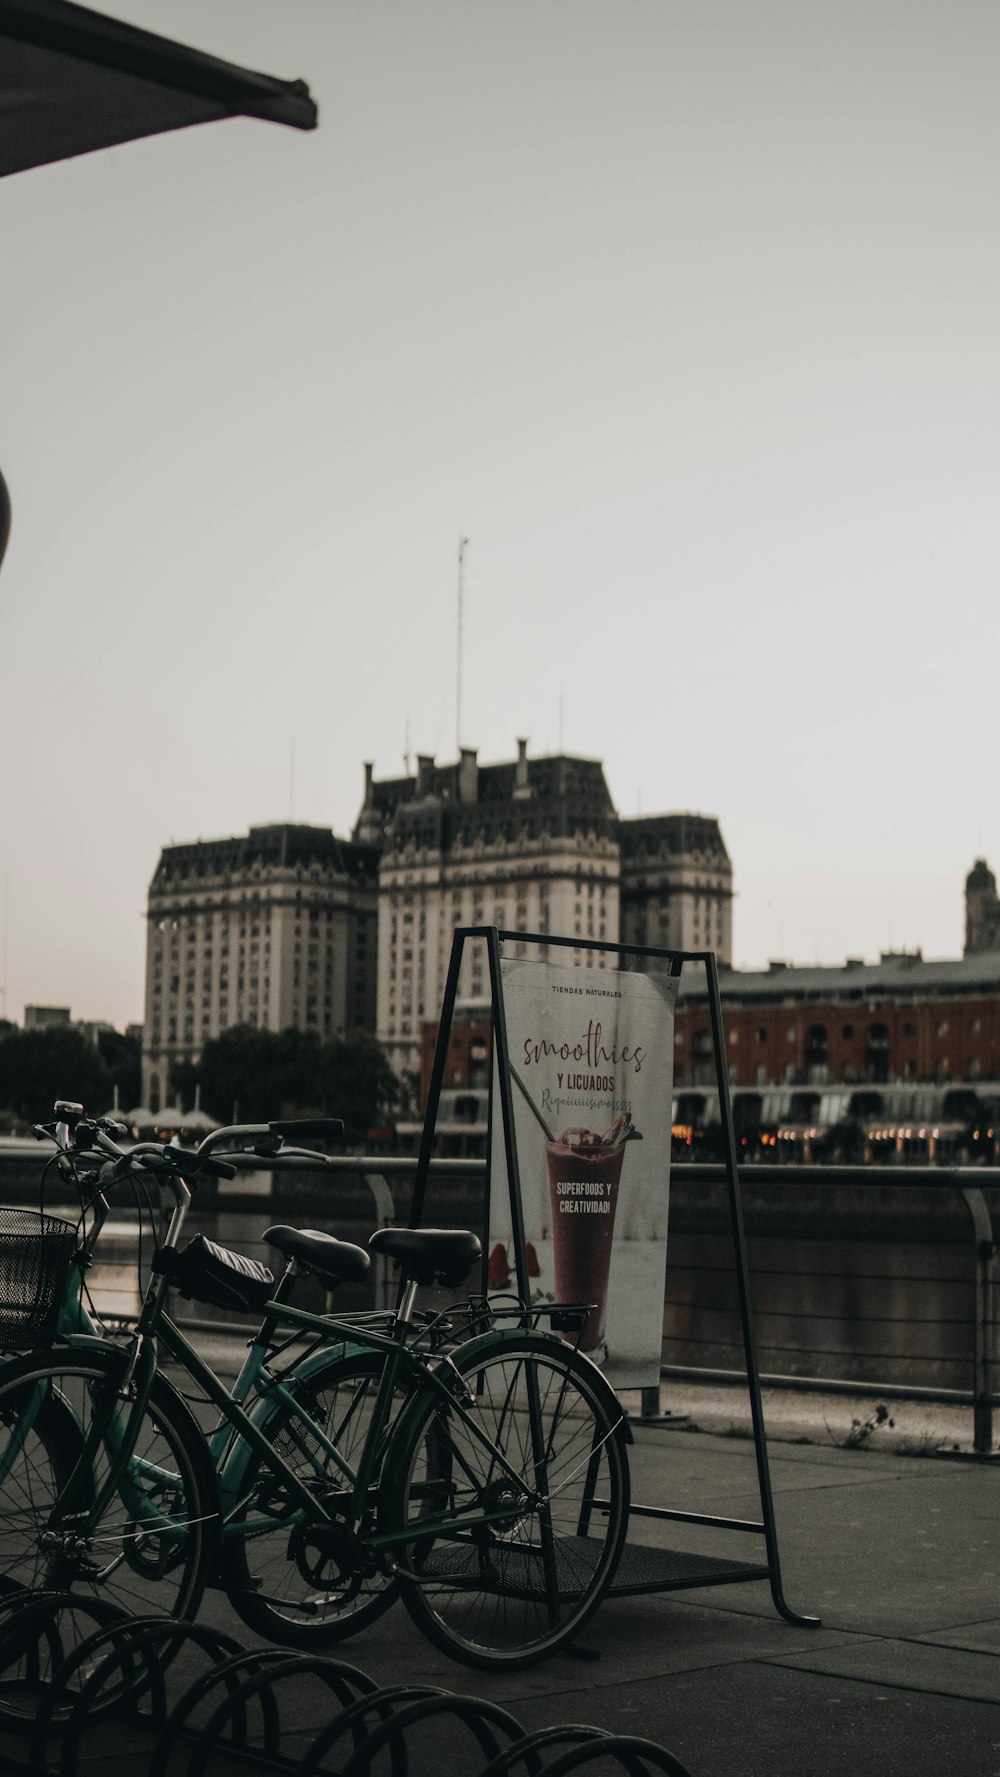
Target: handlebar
77,1136
268,1137
159,1158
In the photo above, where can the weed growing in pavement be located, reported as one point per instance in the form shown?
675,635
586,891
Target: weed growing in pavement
862,1429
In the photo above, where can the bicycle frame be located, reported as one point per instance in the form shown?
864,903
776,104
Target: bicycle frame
241,1432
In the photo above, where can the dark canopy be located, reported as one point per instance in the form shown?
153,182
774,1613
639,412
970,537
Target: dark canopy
4,517
72,80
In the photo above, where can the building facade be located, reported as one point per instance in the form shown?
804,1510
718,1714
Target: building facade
291,927
906,1051
275,929
533,845
527,846
676,884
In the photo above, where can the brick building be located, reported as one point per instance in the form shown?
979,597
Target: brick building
905,1050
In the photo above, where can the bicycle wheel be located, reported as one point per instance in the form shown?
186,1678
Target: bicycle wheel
308,1583
530,1521
148,1547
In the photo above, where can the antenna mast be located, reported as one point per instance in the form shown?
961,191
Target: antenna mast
463,544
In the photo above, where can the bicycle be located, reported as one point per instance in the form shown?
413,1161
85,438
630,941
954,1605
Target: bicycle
495,1498
339,1382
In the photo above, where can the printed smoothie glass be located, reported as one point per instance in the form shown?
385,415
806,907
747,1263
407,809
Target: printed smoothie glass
584,1175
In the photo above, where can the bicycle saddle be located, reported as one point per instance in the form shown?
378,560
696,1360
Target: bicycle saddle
429,1255
336,1259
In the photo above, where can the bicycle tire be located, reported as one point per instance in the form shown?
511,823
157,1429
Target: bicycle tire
506,1594
155,1544
282,1581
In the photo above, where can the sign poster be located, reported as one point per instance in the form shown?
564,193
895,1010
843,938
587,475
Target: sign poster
591,1058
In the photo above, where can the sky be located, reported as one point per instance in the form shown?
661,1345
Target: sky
685,316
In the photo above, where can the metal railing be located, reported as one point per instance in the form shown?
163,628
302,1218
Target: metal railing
968,1188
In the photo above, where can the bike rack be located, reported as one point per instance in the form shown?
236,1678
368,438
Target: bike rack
584,1746
262,1671
237,1700
139,1648
480,1717
35,1622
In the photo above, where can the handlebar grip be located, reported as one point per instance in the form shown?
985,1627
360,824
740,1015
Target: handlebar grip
309,1126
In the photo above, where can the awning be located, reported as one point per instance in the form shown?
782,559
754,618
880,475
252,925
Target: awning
73,80
4,517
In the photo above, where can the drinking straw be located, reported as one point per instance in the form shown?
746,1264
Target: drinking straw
536,1113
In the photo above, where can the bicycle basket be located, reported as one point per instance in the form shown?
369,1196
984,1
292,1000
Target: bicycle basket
35,1252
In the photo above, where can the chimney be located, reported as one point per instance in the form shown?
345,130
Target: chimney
366,827
521,787
468,775
425,765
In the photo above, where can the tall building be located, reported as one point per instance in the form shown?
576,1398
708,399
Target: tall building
529,846
275,929
676,884
291,927
533,845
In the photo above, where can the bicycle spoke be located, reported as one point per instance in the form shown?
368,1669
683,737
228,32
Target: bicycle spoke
503,1573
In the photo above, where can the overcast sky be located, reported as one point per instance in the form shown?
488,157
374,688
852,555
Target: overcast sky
686,316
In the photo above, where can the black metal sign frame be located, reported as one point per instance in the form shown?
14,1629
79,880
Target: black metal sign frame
641,1569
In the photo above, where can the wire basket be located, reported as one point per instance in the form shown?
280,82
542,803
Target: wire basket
35,1252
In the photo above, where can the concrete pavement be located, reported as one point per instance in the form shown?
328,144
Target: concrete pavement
899,1553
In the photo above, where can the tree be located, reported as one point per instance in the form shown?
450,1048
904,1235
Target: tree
39,1066
122,1058
362,1087
261,1074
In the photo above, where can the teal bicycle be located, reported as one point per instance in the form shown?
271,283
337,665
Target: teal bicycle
486,1483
